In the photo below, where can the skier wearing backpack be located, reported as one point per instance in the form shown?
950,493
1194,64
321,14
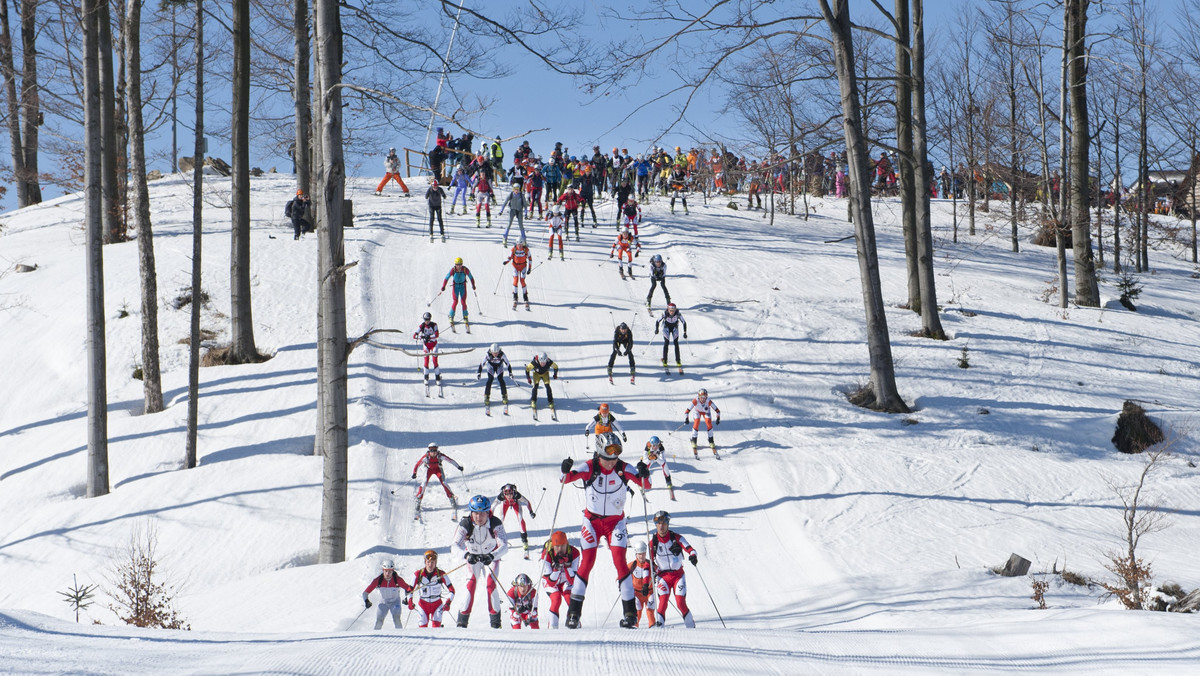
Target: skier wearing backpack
427,335
604,482
511,498
560,563
516,207
602,423
643,583
571,201
391,172
485,197
622,340
701,406
656,455
667,548
519,257
389,585
297,209
671,320
522,602
432,459
428,583
631,217
434,196
496,362
482,540
623,248
462,185
658,277
461,274
537,372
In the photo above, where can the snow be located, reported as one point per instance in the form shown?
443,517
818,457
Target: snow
832,539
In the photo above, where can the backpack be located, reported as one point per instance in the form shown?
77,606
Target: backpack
287,208
619,469
469,525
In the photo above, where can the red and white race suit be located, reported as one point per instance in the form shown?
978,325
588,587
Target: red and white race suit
558,575
669,568
478,540
604,519
427,596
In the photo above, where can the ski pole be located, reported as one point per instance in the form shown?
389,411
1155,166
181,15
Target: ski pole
710,598
477,305
360,614
610,609
554,519
439,293
689,346
496,291
539,504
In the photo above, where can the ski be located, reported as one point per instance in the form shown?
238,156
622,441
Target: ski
553,414
506,413
426,388
632,379
453,325
467,324
441,389
487,409
680,367
526,306
671,489
610,380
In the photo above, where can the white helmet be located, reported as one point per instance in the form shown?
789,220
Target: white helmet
544,358
494,349
388,565
608,445
639,547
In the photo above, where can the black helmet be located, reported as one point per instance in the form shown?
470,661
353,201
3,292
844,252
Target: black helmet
623,326
426,317
661,516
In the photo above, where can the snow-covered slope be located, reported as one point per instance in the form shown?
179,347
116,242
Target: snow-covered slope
830,538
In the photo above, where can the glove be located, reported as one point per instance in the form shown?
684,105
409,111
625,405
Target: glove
642,470
556,376
686,418
718,422
532,515
409,601
367,601
529,380
460,469
567,465
610,255
693,559
685,335
414,475
676,549
472,559
486,559
478,374
656,330
624,437
446,605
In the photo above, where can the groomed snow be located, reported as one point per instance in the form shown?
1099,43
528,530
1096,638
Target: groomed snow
832,539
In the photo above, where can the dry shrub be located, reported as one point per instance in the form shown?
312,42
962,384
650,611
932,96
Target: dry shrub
140,596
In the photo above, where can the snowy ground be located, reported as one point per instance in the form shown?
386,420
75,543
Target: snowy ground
832,539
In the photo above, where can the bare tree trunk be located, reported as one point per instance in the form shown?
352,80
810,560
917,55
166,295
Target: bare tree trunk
319,216
1087,292
931,323
302,153
883,376
1120,189
193,413
108,127
1060,244
121,130
151,378
8,70
31,106
1012,139
241,323
97,481
331,322
904,143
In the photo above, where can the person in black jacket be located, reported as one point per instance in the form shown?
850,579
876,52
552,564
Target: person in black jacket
622,340
658,277
434,197
297,209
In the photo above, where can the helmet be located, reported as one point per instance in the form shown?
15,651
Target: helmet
625,230
521,242
671,306
494,349
661,516
655,441
391,150
426,317
678,149
631,199
458,260
544,358
639,547
299,192
623,325
615,151
604,408
430,554
656,258
508,487
522,580
558,538
432,447
703,393
608,445
387,565
479,503
572,158
639,156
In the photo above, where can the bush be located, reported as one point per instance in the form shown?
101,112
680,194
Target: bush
140,596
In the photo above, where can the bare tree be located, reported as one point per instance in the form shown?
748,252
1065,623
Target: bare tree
302,148
1087,291
24,109
151,377
97,482
193,412
1137,519
241,325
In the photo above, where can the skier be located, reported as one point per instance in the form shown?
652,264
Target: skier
622,340
496,362
434,196
655,454
643,583
432,459
554,217
391,171
671,320
482,540
428,583
623,248
483,191
587,193
297,210
516,203
537,372
522,601
519,257
571,202
533,186
389,585
461,184
702,405
631,214
498,156
667,548
460,274
658,277
511,498
560,563
603,423
678,184
604,482
427,334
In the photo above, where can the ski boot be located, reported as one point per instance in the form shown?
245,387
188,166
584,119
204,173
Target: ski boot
494,618
694,451
441,390
713,445
489,220
622,269
574,609
679,365
561,255
533,405
647,302
478,224
514,300
610,380
487,408
664,362
467,323
505,242
632,377
551,255
526,298
463,619
553,413
629,609
506,405
525,544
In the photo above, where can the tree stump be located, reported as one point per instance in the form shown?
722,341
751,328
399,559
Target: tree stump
1135,430
1017,566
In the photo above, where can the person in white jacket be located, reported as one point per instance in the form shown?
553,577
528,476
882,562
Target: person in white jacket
482,540
391,171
